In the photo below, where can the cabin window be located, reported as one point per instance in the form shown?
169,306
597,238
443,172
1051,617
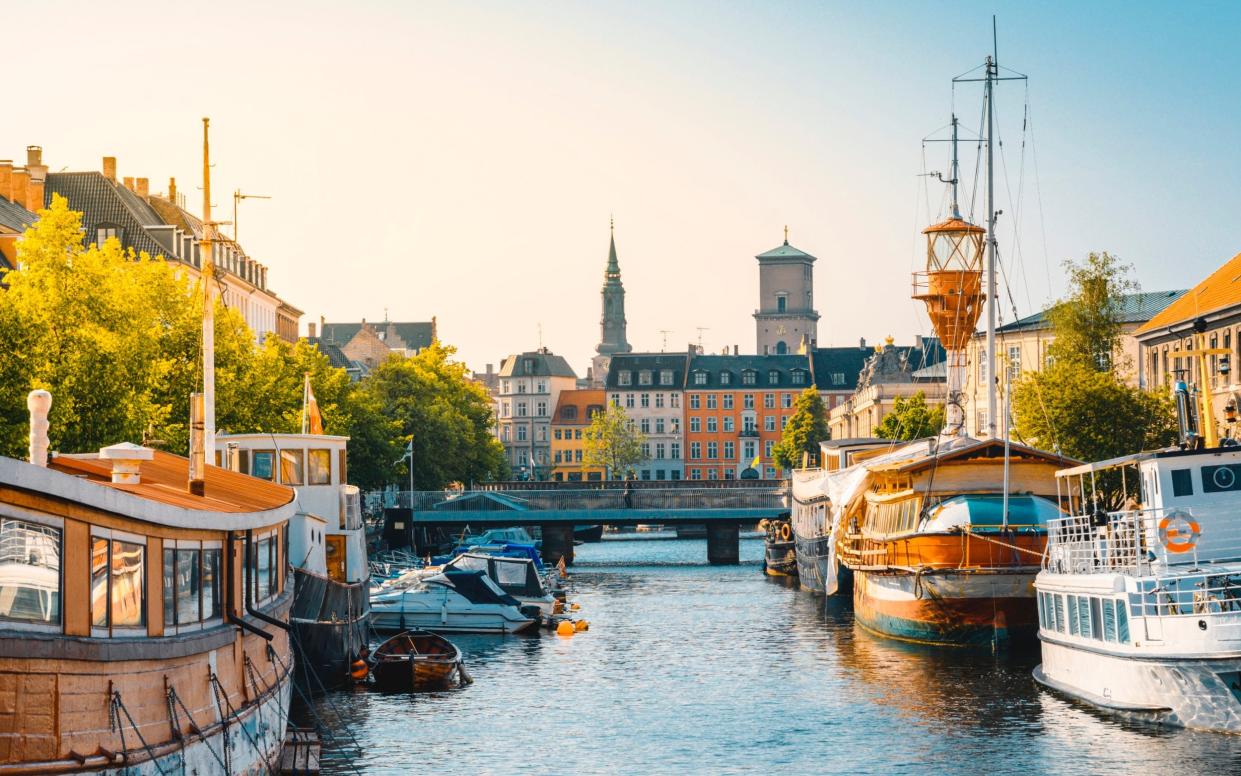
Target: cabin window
30,588
1096,619
1083,616
1074,630
1109,620
118,581
1182,483
1042,610
191,584
291,465
1060,624
1122,623
266,578
319,467
264,464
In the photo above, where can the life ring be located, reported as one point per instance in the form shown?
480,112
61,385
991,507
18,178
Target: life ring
1178,532
785,532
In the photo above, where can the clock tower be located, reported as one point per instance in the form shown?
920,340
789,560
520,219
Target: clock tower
785,315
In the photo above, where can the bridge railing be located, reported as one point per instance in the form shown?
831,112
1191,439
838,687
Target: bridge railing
648,499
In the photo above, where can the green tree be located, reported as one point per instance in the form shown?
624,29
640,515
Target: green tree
613,443
805,430
1087,323
911,418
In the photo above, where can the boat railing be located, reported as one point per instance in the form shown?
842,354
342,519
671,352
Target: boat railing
1142,542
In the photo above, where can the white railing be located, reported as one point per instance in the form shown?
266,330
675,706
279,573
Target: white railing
1142,542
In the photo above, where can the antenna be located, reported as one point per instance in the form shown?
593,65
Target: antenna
665,332
701,329
237,197
540,335
956,172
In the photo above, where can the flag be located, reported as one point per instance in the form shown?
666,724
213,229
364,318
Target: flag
560,566
312,421
758,459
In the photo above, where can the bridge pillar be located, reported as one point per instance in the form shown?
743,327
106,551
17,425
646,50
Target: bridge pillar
557,543
723,544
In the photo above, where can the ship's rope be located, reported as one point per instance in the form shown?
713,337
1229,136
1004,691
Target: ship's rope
1018,548
174,700
117,707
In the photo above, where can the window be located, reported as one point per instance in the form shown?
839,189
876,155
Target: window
646,474
749,377
577,456
320,467
557,457
577,433
522,409
675,449
118,581
726,378
292,465
695,474
674,400
747,423
695,451
769,422
521,386
982,367
695,424
1059,612
659,474
1182,482
728,401
616,399
263,464
711,474
264,567
767,448
659,401
711,401
104,232
644,377
645,425
646,451
784,421
712,425
660,450
838,378
629,401
30,587
797,377
1074,626
1096,618
729,451
786,400
556,433
624,377
1122,623
700,378
675,425
1014,363
1109,620
645,400
504,409
728,424
747,401
665,377
541,433
769,401
782,303
659,425
773,377
521,433
191,583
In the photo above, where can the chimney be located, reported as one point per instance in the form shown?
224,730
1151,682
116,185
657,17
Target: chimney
20,186
310,330
736,350
172,190
6,177
490,367
861,343
129,183
323,326
144,187
127,459
34,156
109,168
37,169
38,402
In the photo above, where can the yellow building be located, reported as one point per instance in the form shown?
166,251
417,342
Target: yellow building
574,410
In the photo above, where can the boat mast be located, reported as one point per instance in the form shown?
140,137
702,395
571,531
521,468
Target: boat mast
208,307
992,285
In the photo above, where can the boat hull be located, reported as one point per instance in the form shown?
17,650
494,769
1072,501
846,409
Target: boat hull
812,559
951,608
1200,694
454,622
330,622
780,559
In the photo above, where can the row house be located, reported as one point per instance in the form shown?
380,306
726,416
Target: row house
573,415
530,387
650,388
736,408
892,372
1022,346
1212,308
21,193
367,345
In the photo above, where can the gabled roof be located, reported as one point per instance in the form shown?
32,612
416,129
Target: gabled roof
412,335
15,217
536,363
784,365
102,201
335,356
785,251
1135,308
1222,288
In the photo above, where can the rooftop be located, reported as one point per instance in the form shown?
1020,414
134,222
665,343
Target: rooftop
785,251
581,405
536,363
1135,308
1221,289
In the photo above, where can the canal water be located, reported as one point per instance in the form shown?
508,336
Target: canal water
696,669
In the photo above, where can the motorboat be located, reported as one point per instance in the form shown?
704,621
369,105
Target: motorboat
417,660
453,601
517,535
516,576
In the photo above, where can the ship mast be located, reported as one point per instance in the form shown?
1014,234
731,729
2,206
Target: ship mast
208,306
992,286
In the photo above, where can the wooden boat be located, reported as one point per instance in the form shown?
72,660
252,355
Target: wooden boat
416,660
779,549
143,613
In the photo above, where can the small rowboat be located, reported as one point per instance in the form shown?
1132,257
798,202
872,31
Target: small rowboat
417,660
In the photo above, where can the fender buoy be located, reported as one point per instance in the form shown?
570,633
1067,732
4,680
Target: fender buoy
565,628
785,532
359,670
1179,532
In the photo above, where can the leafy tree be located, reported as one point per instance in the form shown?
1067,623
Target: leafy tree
613,443
911,418
806,429
1087,323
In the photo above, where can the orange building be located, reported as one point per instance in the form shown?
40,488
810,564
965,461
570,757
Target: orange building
574,410
736,408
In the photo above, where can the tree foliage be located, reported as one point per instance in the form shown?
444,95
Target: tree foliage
613,443
806,429
116,338
1087,323
911,418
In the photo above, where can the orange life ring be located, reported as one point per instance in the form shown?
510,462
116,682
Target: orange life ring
1179,532
785,532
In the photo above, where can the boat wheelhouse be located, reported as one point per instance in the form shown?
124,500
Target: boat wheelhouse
327,546
1140,607
143,613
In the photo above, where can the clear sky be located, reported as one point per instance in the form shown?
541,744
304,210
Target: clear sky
462,159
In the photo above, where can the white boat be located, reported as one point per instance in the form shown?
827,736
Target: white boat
451,602
516,576
1140,609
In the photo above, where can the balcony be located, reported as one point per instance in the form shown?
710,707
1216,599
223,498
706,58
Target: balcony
748,433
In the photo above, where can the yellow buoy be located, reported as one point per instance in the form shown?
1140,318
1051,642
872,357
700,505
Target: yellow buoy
565,628
575,607
582,625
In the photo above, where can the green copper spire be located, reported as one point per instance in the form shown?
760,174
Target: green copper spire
613,270
612,323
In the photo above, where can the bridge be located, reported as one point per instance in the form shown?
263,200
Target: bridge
556,510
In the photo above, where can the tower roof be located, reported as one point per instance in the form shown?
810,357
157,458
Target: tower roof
785,251
613,269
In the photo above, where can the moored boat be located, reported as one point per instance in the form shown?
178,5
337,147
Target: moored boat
417,660
451,602
779,549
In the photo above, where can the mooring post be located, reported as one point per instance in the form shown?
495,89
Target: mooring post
723,544
557,543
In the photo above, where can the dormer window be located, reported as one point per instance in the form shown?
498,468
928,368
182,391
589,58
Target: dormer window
644,377
700,377
665,377
749,377
797,377
773,377
726,378
625,377
568,413
105,231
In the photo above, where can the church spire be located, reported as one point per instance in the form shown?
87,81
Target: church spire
613,270
612,323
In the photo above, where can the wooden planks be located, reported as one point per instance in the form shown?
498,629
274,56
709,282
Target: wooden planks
301,752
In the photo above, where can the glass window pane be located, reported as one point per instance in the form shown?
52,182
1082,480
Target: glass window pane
1096,619
1109,620
29,571
170,587
1060,625
1073,625
263,550
187,586
1083,615
128,576
264,464
99,582
291,467
211,590
320,467
1122,622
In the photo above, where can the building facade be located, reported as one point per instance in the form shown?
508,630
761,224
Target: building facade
892,372
736,408
785,318
835,371
574,412
1021,346
369,344
530,387
650,387
612,324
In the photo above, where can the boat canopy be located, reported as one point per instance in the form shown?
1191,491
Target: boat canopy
517,576
475,586
987,511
